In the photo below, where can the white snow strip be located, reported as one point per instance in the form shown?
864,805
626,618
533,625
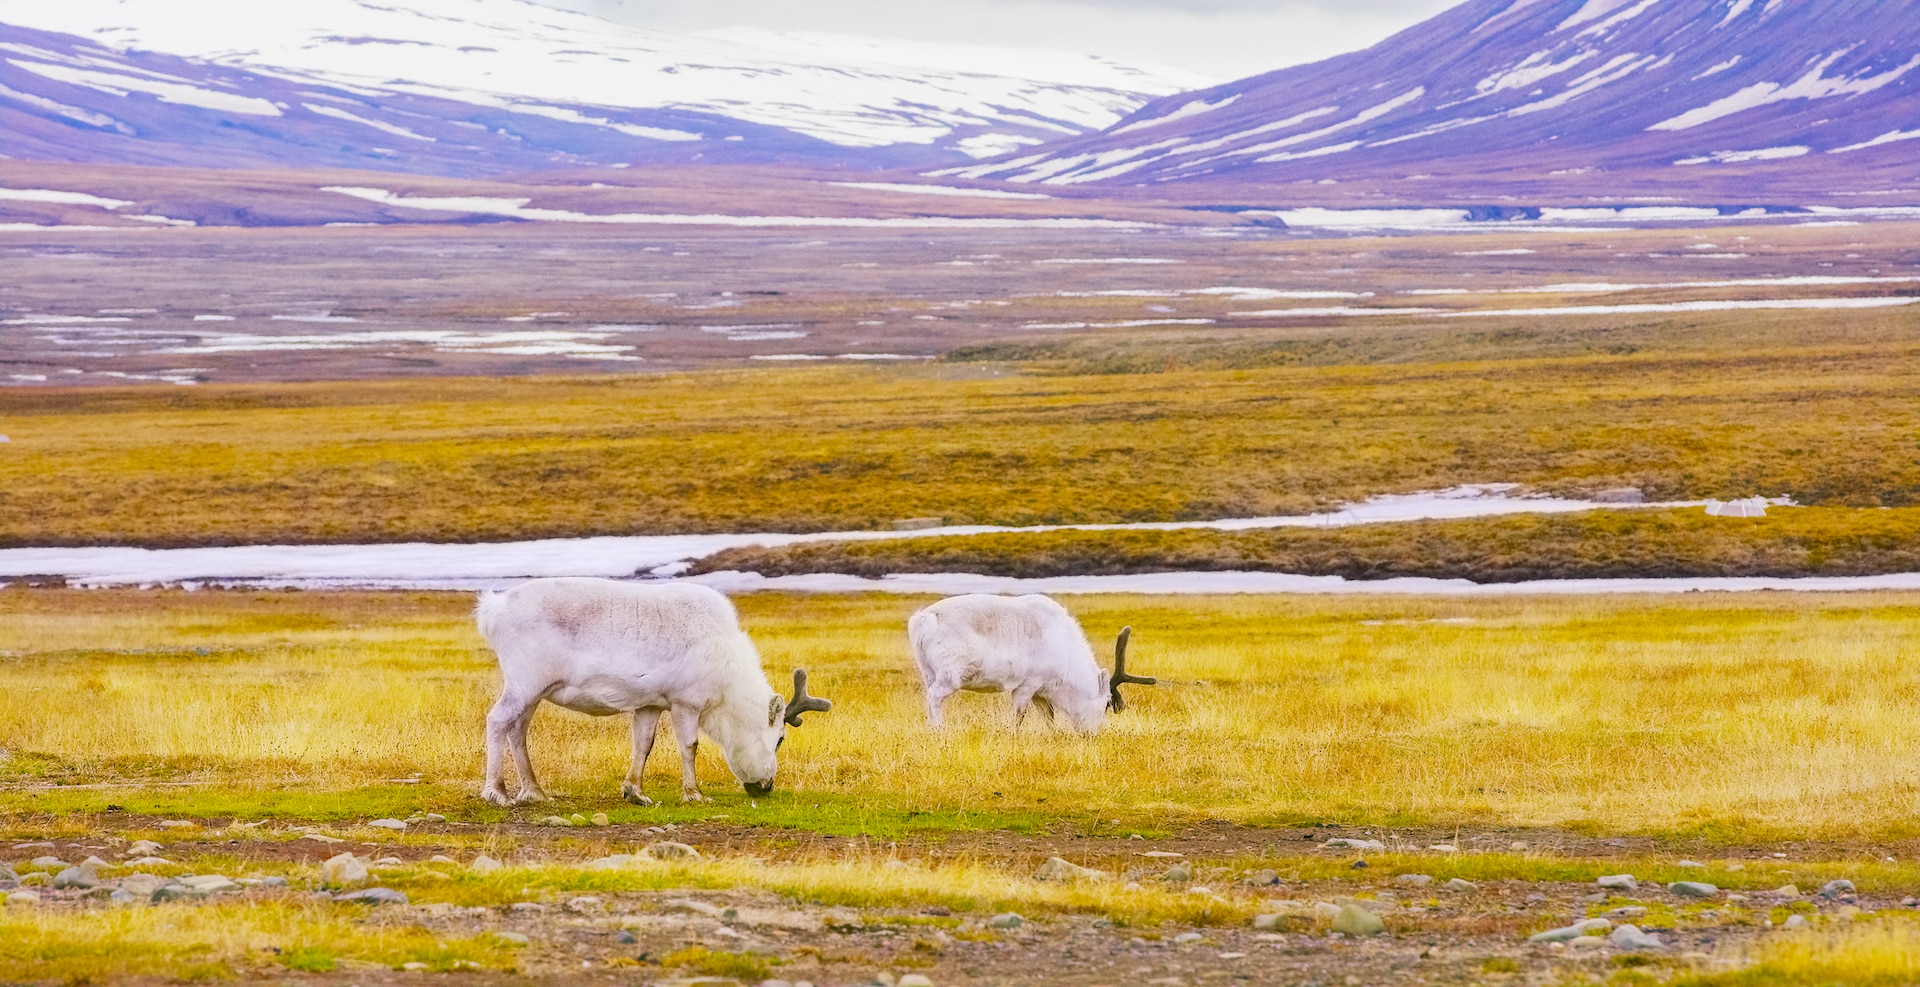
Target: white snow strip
179,93
1601,287
1813,85
518,209
1739,157
482,564
382,126
575,116
969,193
1190,109
1889,137
1675,307
1109,260
87,117
1717,69
60,198
1340,311
1272,294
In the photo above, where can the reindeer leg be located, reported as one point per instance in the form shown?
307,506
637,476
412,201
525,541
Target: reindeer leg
937,695
529,786
1022,701
686,730
507,711
646,723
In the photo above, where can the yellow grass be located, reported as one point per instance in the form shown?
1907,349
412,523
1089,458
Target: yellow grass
1791,715
1762,405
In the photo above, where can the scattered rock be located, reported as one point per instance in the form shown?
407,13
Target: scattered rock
373,896
1459,885
435,817
1444,848
1834,889
1566,934
1326,910
75,877
389,862
1415,880
1354,920
393,824
913,980
1587,941
1060,869
1353,844
1164,854
141,884
1691,865
697,907
512,937
1187,937
556,821
48,862
175,891
614,862
274,882
1622,882
584,905
1264,879
1795,922
625,938
484,864
344,870
1517,846
578,820
177,824
1693,889
1630,937
1787,891
18,898
7,874
209,883
666,850
150,862
441,858
1006,920
526,907
121,896
141,848
600,819
1268,922
1178,873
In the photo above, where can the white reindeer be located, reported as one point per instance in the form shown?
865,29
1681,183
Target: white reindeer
602,647
1029,646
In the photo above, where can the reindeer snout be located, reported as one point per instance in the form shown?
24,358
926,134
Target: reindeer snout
757,788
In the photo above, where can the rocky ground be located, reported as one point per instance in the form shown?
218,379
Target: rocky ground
1374,920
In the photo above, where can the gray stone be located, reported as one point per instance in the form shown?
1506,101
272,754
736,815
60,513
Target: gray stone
1268,922
1354,920
75,877
1691,865
275,882
46,861
484,864
1565,934
393,824
1178,873
1006,920
584,905
1415,880
556,821
435,817
1619,882
175,891
1061,869
141,848
1834,889
344,870
1353,844
210,883
7,874
372,896
1795,922
625,938
1460,885
1630,937
150,862
512,937
913,980
667,850
526,907
19,898
1187,937
1693,889
614,862
141,884
121,896
1592,925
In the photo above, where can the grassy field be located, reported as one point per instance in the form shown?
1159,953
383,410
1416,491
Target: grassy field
1592,545
1822,409
1728,717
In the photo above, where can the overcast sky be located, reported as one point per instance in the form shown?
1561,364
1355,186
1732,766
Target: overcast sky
1226,39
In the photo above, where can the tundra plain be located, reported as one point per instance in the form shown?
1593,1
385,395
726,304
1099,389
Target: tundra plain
1525,745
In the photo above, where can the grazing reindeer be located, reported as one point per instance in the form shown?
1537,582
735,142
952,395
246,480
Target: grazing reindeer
602,647
1029,646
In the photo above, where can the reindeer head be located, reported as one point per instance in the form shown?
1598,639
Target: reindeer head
755,761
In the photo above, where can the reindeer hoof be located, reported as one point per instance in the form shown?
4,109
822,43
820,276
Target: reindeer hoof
496,797
689,797
633,795
530,795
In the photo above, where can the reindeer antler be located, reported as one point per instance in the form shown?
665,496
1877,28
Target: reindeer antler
801,702
1114,702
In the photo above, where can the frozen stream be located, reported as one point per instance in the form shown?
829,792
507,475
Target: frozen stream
473,566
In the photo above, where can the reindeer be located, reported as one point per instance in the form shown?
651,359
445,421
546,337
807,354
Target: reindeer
1029,646
602,647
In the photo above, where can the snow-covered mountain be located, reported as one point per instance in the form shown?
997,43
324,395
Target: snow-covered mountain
1506,88
467,86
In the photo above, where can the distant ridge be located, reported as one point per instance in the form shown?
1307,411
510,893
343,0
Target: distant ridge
478,87
1568,90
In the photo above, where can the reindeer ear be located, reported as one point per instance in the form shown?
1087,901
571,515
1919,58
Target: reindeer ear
775,708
